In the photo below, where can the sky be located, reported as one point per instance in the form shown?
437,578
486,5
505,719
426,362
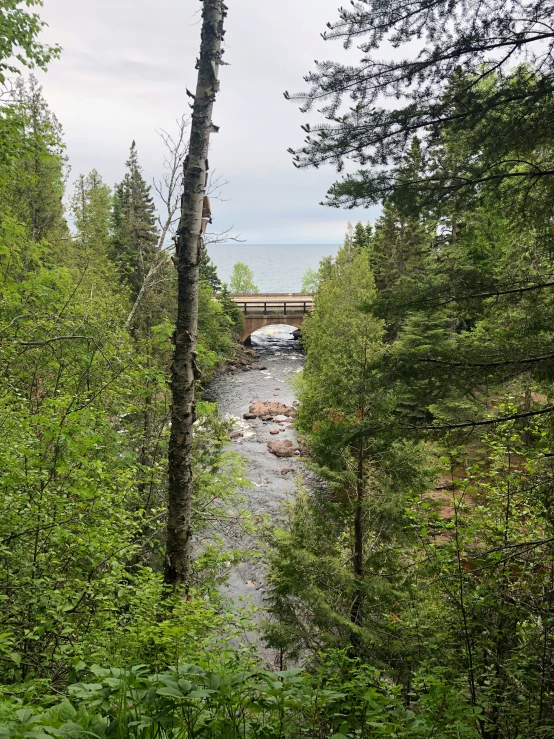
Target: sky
122,76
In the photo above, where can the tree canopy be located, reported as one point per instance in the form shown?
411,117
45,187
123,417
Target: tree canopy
242,279
484,70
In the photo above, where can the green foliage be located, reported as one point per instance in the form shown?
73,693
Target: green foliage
309,281
339,339
414,581
242,279
37,178
209,278
315,589
135,239
456,72
91,208
344,700
454,528
84,412
19,33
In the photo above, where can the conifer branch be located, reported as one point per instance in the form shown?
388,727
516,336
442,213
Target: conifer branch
475,424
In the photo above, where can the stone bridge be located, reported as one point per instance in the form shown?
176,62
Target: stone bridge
267,309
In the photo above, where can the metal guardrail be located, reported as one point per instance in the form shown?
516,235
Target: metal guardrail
274,307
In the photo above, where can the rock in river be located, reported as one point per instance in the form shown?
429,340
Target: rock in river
282,448
272,408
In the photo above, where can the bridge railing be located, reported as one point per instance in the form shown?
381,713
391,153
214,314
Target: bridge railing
274,307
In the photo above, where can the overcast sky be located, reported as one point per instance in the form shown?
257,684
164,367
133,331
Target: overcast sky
123,74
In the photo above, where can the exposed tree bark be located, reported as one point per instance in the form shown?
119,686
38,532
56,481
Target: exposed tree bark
188,255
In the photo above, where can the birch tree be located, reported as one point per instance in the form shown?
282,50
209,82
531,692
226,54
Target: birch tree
188,256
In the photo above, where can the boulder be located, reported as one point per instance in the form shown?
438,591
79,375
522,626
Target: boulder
273,408
274,431
256,366
282,448
286,470
249,416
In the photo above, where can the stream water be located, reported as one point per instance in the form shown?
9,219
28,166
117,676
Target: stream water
272,478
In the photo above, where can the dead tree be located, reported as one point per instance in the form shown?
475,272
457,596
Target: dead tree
188,255
169,192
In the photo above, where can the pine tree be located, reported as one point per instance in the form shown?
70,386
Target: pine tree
135,239
37,184
322,591
456,70
91,208
208,271
362,235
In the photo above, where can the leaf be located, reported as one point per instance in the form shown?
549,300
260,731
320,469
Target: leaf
24,714
215,681
173,692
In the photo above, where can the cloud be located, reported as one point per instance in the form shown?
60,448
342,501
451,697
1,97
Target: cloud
123,74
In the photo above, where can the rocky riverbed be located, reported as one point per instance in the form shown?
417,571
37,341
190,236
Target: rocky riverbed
261,403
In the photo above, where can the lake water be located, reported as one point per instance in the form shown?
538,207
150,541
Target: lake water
277,268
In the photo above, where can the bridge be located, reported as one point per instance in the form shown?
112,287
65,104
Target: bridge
267,309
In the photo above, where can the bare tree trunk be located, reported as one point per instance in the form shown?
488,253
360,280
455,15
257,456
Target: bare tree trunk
188,248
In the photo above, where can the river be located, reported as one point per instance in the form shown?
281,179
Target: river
272,478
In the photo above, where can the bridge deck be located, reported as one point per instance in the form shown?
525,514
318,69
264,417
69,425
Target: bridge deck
274,303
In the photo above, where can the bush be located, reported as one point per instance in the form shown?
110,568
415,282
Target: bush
340,699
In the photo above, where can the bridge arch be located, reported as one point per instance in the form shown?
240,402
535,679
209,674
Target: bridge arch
268,309
253,323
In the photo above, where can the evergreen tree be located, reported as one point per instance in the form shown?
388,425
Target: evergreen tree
458,72
91,208
325,586
362,235
37,185
208,271
135,239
